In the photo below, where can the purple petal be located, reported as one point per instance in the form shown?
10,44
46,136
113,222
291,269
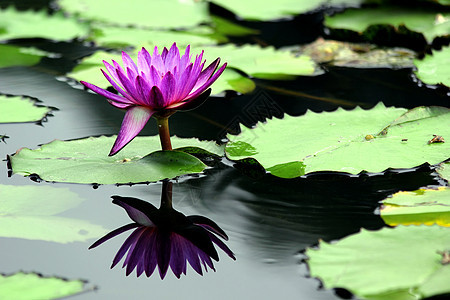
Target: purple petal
120,105
143,89
163,250
136,256
137,204
135,119
125,246
192,257
177,259
129,63
221,245
207,73
154,77
206,260
150,256
118,87
185,59
181,88
144,61
208,83
105,93
135,213
156,97
113,233
168,84
157,61
129,86
173,57
209,225
164,54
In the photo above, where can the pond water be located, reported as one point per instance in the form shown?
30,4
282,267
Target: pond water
269,220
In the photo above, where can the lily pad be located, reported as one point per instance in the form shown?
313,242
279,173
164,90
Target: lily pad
87,161
28,212
266,63
424,206
18,56
273,10
89,70
345,141
155,13
435,68
444,170
32,286
352,55
430,24
118,37
20,109
406,261
36,24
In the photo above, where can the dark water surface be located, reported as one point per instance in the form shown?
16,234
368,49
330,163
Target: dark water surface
269,220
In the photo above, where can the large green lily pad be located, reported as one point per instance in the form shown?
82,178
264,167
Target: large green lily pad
435,68
345,141
424,206
117,37
39,24
406,262
272,10
12,56
32,286
20,109
430,24
155,13
28,212
89,70
87,161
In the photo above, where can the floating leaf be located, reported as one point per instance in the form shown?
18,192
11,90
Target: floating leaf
20,109
424,206
32,286
87,161
435,68
420,21
28,212
18,56
272,10
127,36
353,55
155,13
345,141
405,261
89,70
261,62
39,24
228,28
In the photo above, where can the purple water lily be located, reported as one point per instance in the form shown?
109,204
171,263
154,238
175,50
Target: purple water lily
158,85
165,237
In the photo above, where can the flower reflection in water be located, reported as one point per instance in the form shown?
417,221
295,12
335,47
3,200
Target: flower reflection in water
165,237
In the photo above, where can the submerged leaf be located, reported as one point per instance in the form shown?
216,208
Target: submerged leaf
36,24
20,109
345,141
87,161
28,212
401,261
32,286
435,68
424,206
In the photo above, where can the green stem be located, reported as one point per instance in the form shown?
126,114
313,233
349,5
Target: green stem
166,195
164,134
